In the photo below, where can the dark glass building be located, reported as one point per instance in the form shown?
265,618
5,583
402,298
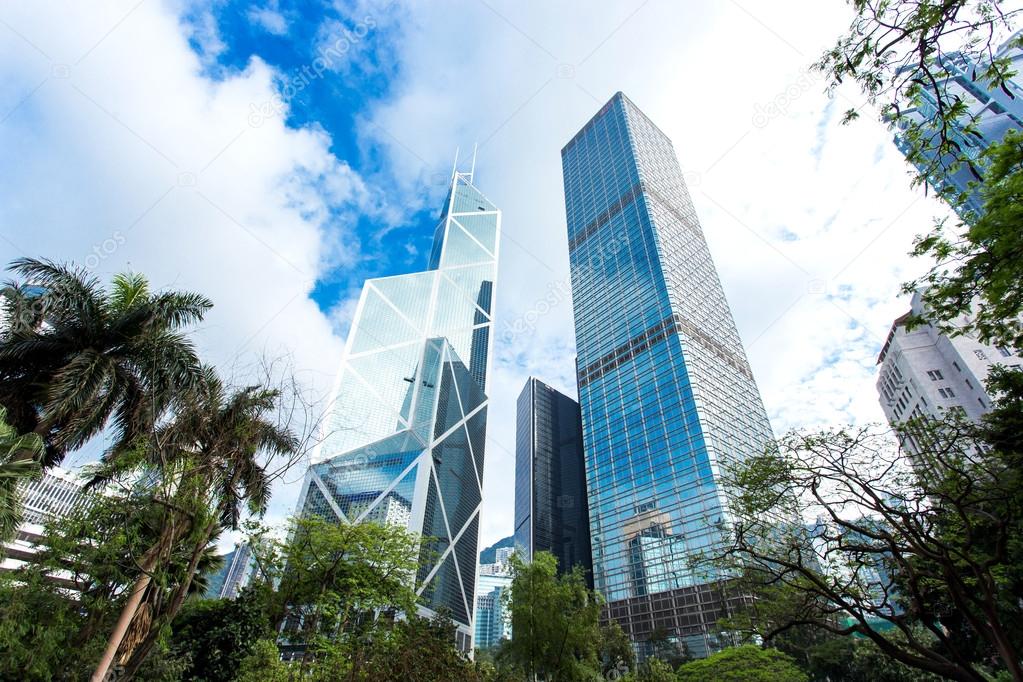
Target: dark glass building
666,392
550,478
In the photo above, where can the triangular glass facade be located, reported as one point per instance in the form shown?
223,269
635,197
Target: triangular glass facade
405,437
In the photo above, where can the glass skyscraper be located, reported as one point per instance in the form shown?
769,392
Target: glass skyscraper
404,440
666,391
550,478
993,111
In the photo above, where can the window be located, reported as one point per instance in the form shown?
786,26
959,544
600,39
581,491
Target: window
956,365
980,354
981,403
1004,351
946,393
935,375
968,384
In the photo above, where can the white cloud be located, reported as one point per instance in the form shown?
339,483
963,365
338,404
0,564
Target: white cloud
116,145
269,18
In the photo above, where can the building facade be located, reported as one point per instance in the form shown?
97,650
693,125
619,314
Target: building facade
993,112
551,513
923,372
666,391
404,439
234,575
493,622
57,492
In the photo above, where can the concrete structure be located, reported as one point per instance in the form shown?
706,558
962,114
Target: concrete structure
234,575
404,440
551,513
923,373
56,493
667,394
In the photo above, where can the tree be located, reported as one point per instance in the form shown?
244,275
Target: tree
655,670
615,650
327,577
19,462
977,266
75,358
743,664
919,555
899,54
263,664
217,634
209,464
555,631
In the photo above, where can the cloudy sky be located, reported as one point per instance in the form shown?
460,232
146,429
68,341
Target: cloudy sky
274,156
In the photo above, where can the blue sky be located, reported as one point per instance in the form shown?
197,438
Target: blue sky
201,142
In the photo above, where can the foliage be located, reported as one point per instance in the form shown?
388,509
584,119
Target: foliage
897,52
263,664
615,649
44,633
554,622
19,461
743,664
328,576
216,634
76,358
921,556
977,266
655,670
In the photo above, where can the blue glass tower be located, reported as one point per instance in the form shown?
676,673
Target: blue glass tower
404,439
666,391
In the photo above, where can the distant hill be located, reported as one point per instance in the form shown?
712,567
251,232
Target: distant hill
489,555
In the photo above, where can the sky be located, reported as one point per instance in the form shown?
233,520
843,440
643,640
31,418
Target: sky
273,156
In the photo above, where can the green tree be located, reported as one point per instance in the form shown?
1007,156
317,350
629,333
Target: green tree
263,664
743,664
76,358
655,670
211,464
327,577
216,634
919,555
19,462
555,630
615,649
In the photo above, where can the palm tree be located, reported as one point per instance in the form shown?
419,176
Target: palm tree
211,460
19,461
75,357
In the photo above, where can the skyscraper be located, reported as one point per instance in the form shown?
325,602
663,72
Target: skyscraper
550,478
924,372
404,440
666,391
992,110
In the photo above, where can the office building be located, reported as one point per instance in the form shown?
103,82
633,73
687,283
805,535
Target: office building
667,395
234,575
57,492
993,112
551,514
923,372
404,438
493,622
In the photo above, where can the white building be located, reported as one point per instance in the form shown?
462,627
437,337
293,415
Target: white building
925,372
57,492
492,623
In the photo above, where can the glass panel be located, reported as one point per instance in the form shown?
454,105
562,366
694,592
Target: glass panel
461,249
468,199
378,326
476,281
391,376
453,309
483,227
410,294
